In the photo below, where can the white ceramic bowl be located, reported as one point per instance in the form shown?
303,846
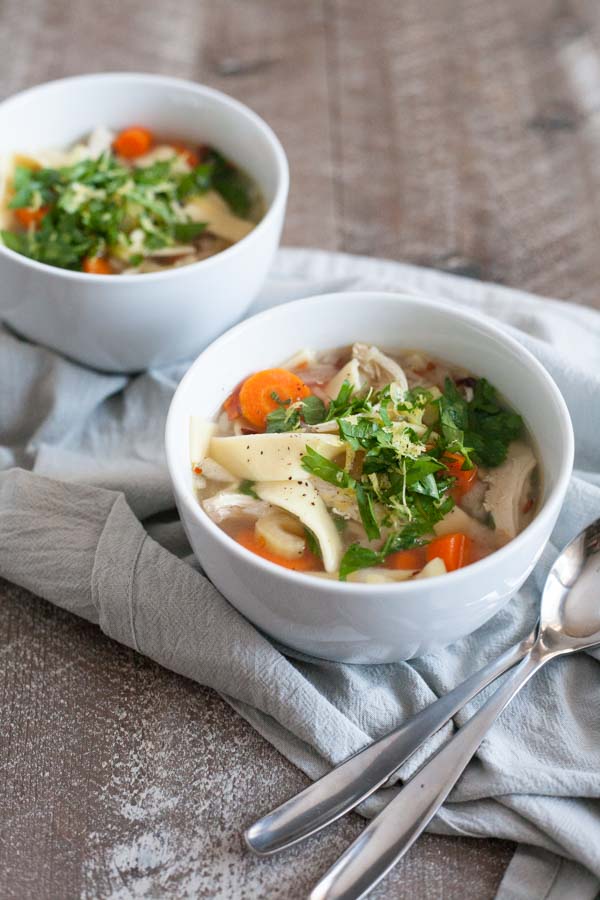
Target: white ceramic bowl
357,622
132,322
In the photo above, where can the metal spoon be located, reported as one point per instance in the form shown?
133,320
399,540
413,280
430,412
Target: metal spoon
569,621
336,793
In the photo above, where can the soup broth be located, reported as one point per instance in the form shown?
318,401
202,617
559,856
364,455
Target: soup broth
127,203
366,466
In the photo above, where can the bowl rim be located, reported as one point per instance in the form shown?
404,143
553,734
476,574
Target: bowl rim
281,165
184,495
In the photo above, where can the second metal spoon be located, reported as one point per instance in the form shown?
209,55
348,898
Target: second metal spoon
569,621
358,777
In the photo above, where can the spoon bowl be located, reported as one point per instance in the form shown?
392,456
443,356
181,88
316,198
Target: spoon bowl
570,611
569,621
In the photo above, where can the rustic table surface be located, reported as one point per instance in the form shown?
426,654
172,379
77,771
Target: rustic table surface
461,135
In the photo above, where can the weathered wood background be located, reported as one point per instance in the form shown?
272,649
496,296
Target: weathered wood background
461,135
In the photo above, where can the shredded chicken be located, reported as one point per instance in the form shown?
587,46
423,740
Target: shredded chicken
341,502
228,503
509,488
472,502
378,368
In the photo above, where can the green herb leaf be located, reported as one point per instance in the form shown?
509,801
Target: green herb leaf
491,427
346,403
198,181
232,184
312,543
286,418
188,231
367,513
454,417
247,487
324,468
16,242
313,410
357,557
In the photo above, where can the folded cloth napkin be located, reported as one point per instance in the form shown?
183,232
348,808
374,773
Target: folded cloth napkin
86,521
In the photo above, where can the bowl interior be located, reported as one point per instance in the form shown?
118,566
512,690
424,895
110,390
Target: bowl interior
61,112
392,322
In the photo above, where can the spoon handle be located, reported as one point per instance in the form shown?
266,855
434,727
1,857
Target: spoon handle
355,779
387,838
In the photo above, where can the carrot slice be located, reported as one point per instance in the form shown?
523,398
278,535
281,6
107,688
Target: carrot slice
258,392
456,550
307,562
29,217
96,265
406,559
133,142
465,478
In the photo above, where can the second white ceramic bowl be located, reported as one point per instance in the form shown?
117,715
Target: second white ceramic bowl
355,622
130,322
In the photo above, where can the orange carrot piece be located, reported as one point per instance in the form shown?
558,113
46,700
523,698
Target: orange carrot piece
29,217
406,559
305,563
456,550
256,394
465,478
96,265
133,142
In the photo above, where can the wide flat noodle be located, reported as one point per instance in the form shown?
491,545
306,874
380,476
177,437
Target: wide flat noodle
271,457
302,500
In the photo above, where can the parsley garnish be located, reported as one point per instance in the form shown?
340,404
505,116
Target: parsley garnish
99,206
395,468
312,410
231,184
454,420
491,426
188,231
312,543
357,557
247,487
289,417
481,428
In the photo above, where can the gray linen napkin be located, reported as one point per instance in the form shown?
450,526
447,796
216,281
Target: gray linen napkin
70,530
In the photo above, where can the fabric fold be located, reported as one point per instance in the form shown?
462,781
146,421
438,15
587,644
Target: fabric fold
92,529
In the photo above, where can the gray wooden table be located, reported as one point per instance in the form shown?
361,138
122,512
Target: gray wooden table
462,135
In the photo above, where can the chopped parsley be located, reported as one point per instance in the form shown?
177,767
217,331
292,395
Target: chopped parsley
358,557
231,184
492,427
312,543
480,428
395,445
401,488
290,416
401,448
103,206
247,487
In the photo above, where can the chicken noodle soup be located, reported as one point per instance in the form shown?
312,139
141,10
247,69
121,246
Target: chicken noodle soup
125,203
358,465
